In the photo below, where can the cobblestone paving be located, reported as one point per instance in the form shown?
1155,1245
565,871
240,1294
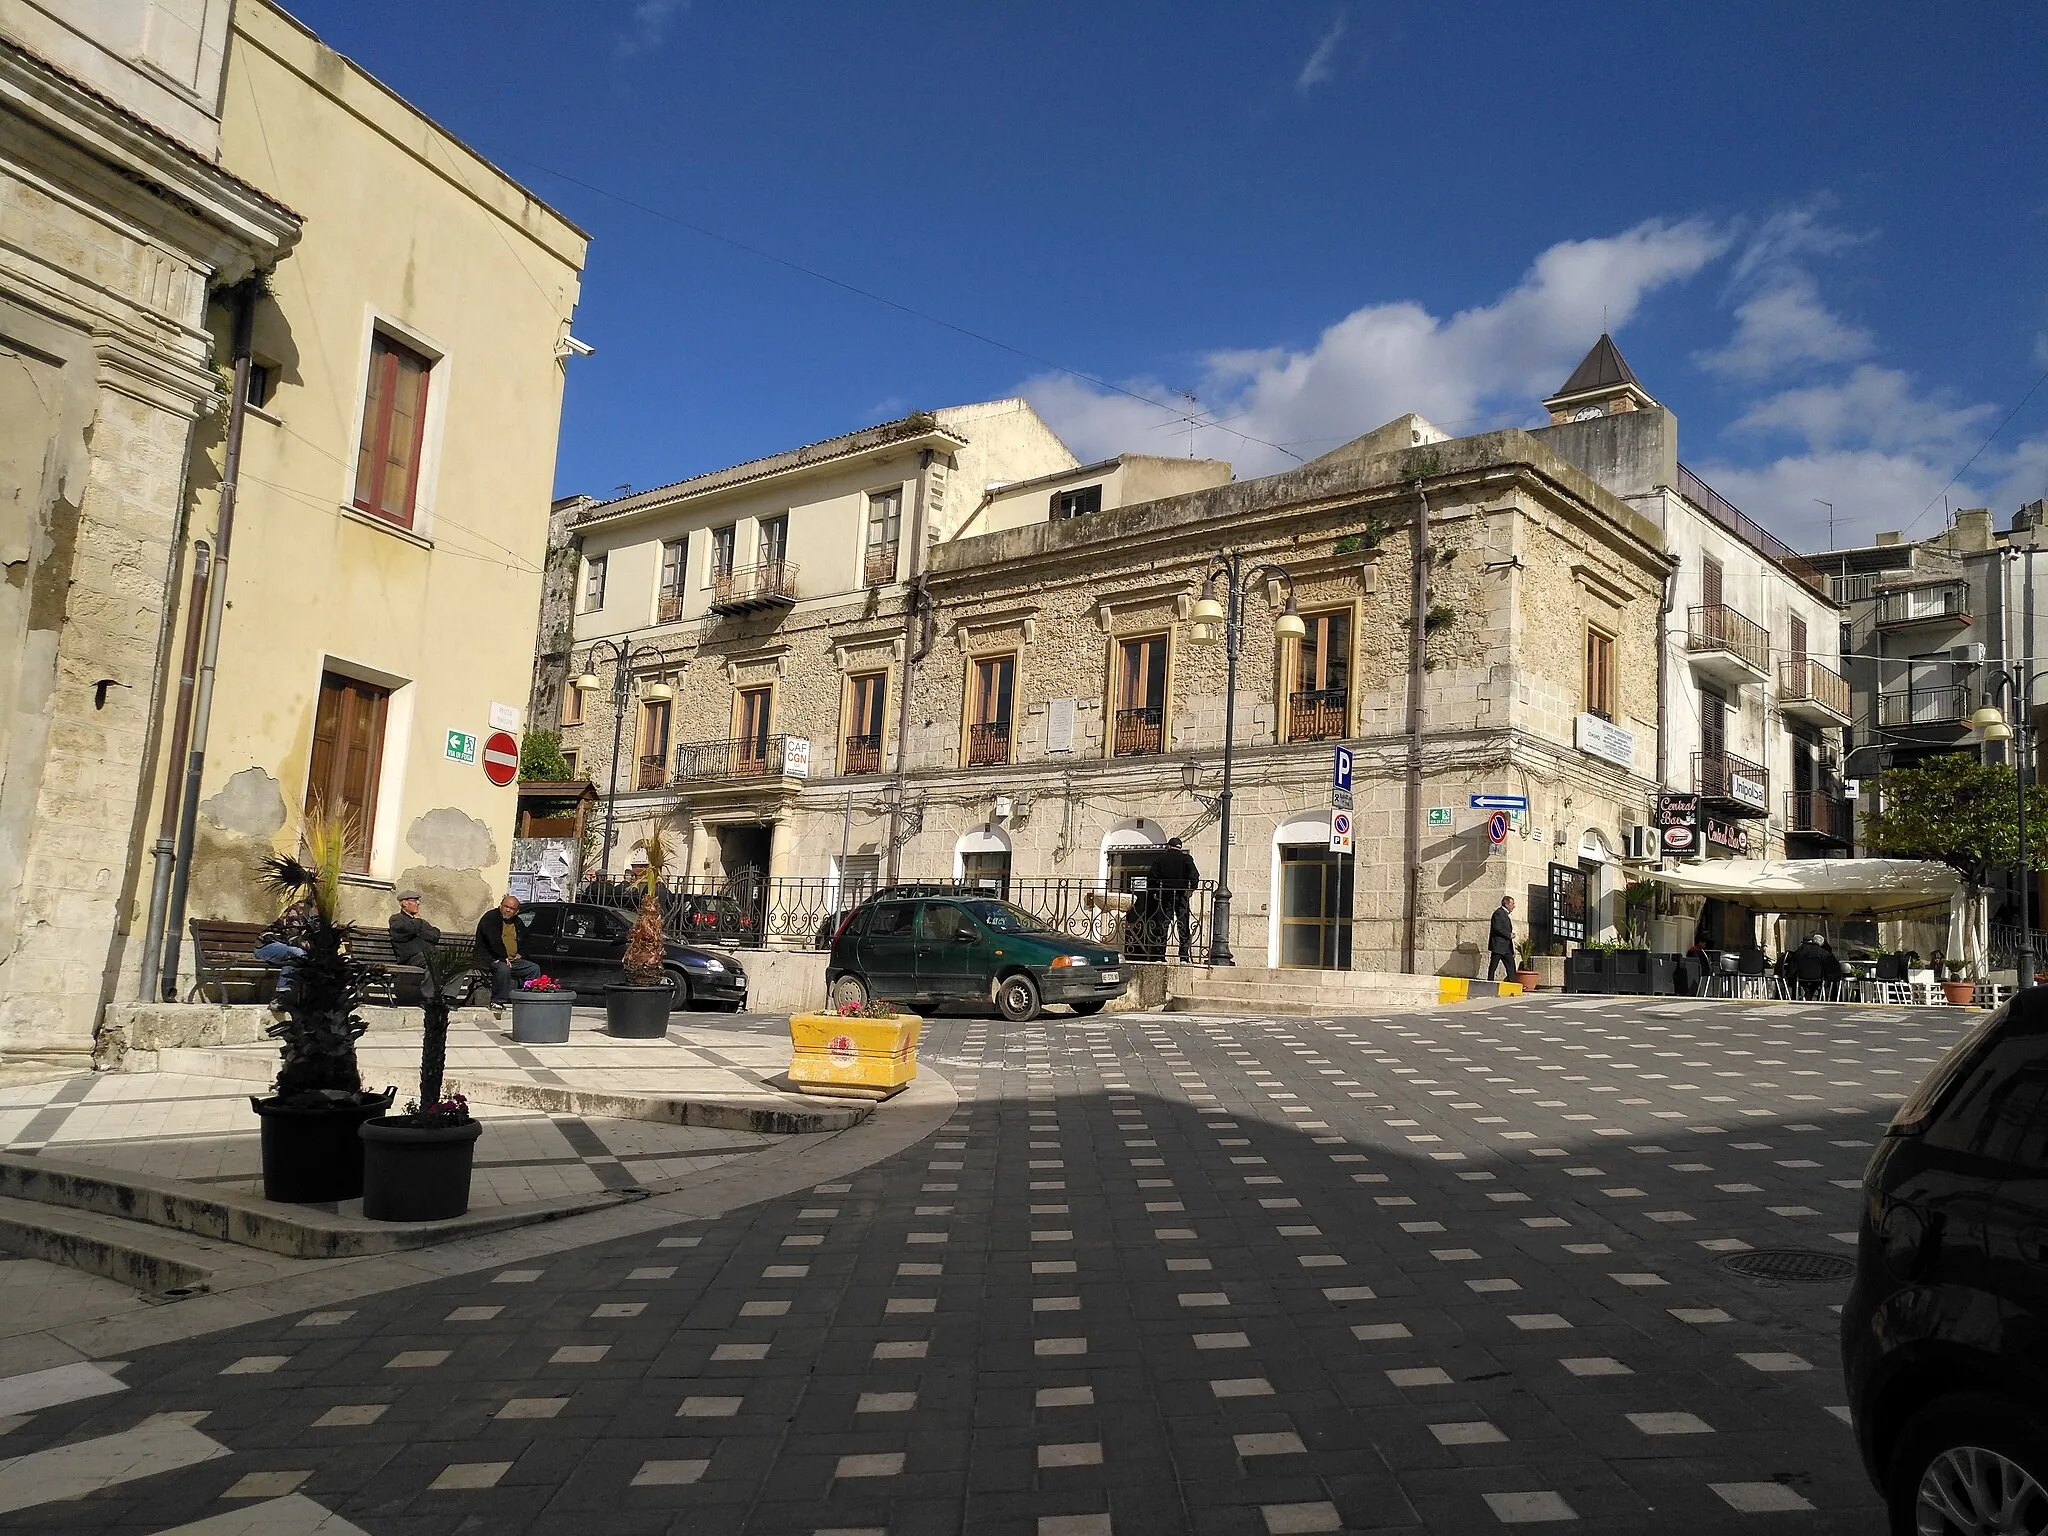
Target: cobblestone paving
1448,1271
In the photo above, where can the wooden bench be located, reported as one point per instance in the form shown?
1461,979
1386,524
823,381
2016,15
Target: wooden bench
226,969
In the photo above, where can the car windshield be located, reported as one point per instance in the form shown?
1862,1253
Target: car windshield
1001,917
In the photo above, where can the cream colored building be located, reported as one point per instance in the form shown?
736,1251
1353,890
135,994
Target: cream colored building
117,219
1062,717
379,592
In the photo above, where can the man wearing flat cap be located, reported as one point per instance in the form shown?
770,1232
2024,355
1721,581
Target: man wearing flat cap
412,936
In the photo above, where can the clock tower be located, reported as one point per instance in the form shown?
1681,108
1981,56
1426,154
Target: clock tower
1602,385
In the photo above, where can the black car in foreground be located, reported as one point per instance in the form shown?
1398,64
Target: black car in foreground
1945,1333
583,946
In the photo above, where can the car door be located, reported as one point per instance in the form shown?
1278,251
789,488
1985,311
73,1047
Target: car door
585,947
949,953
888,951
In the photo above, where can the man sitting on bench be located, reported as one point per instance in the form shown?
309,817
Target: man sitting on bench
497,945
283,942
412,937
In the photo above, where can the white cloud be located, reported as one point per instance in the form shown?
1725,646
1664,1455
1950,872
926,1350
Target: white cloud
1319,67
1872,490
1786,326
1874,407
648,23
1479,367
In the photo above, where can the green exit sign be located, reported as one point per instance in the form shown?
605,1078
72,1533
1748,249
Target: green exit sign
1439,815
461,747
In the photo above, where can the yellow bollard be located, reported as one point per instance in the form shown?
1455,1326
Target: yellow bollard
852,1057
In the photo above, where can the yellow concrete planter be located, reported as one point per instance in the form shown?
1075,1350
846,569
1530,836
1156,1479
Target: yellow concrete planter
853,1058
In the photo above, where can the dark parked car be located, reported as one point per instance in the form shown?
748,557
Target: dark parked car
583,947
1945,1333
925,950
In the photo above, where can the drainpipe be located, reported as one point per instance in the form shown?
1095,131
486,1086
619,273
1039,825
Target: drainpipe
181,721
1664,677
915,645
1417,638
246,294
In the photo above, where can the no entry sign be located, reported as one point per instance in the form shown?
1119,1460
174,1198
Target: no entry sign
501,758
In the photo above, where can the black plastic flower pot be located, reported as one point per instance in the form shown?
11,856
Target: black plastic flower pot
311,1153
638,1013
416,1172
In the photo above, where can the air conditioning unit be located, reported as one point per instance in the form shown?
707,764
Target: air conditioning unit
1971,655
1639,845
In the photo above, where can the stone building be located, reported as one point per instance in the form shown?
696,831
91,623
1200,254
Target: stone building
1063,717
120,218
368,623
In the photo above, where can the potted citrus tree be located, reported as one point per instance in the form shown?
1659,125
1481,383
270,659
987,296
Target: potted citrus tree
639,1009
416,1166
309,1119
540,1012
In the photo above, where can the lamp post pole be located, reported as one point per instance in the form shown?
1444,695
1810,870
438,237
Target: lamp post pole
2015,685
1225,622
624,653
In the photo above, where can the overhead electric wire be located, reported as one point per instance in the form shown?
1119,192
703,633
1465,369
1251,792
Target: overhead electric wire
896,304
1952,479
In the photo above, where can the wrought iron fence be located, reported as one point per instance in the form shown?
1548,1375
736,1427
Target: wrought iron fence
2002,946
748,757
753,911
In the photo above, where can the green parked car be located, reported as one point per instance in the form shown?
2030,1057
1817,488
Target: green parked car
927,949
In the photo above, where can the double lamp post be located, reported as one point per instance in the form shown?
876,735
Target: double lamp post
2015,685
626,655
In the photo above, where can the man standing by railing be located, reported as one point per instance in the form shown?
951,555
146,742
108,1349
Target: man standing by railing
1175,876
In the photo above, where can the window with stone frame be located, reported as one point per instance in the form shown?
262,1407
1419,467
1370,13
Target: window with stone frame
394,431
593,582
992,684
1599,680
1139,717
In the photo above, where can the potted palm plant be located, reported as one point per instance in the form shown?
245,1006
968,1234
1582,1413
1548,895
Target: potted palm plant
311,1153
1525,966
1958,990
416,1166
639,1009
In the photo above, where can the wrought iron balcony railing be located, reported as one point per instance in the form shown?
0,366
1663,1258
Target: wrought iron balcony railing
1810,813
1317,714
1717,627
651,774
878,568
988,743
770,585
1732,781
1804,680
1140,732
748,757
863,754
1941,602
1948,704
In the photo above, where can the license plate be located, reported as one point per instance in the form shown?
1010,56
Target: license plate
1112,976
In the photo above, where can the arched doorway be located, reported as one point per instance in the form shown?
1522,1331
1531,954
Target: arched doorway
982,858
1309,926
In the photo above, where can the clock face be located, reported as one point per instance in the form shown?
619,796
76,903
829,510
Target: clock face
1589,413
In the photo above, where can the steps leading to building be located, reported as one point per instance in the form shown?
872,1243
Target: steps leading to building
145,1257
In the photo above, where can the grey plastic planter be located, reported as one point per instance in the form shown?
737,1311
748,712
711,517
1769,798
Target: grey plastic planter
541,1018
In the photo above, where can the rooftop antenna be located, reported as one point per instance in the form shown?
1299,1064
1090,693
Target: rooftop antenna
1831,519
1197,405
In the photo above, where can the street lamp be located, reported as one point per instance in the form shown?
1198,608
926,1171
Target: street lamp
2016,686
625,654
1221,622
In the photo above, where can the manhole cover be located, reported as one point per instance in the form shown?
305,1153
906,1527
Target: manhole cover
1799,1265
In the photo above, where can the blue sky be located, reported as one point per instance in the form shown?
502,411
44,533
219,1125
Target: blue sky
1817,231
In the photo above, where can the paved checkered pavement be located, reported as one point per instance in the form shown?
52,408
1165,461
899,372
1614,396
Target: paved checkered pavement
1447,1271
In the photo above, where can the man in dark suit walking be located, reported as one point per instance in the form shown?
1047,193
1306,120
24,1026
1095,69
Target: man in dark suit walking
1500,944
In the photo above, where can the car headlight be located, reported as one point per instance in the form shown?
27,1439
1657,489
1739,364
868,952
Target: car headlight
1064,962
700,963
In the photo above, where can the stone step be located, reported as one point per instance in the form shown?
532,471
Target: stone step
148,1258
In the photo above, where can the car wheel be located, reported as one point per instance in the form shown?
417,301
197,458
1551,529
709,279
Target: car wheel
1017,998
681,983
849,992
1089,1008
1972,1465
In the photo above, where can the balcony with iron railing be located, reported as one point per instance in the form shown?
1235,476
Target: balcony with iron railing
1733,784
988,743
878,566
1318,714
1725,647
1944,709
863,754
1811,691
668,608
651,773
1819,817
754,589
1139,732
747,757
1939,604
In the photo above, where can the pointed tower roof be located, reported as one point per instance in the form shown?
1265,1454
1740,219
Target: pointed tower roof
1603,379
